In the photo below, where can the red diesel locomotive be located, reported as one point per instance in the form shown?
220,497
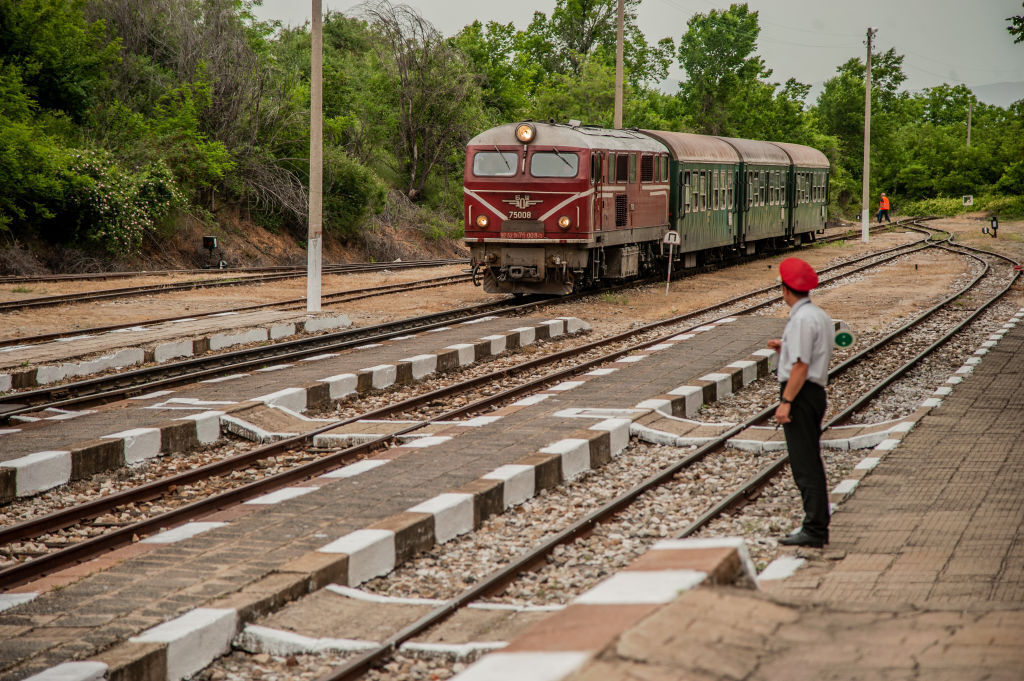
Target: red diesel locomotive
551,208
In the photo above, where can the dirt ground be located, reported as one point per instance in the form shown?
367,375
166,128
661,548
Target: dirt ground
873,300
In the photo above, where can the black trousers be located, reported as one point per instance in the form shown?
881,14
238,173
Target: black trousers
803,440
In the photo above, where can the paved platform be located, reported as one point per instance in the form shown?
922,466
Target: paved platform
924,578
206,580
48,448
84,355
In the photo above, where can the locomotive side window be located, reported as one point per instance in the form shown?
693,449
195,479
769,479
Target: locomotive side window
610,177
664,168
632,168
646,168
595,168
554,164
621,168
495,164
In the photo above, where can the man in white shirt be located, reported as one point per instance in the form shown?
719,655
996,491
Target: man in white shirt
805,350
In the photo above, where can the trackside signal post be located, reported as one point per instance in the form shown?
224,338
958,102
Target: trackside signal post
672,239
314,241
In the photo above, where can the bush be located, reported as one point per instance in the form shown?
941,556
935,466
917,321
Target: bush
114,207
1003,206
351,192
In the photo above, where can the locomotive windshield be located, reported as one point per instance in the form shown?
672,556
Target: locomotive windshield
495,163
554,164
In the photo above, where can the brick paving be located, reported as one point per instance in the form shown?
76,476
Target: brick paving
136,588
923,579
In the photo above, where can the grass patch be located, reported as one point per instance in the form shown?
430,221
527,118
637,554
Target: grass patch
21,289
615,299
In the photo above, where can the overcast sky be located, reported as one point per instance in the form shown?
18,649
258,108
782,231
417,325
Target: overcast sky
951,41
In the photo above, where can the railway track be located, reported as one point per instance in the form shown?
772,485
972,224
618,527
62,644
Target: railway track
128,291
612,511
533,375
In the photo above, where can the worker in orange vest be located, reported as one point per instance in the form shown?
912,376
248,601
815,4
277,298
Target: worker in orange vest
883,209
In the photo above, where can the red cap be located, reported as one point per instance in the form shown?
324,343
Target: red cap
797,275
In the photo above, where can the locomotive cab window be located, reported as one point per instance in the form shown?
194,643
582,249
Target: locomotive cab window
495,163
595,168
622,168
664,168
554,164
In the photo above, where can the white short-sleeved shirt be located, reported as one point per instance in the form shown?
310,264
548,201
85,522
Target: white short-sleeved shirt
807,338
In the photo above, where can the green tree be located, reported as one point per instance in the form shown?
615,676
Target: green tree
507,77
1016,27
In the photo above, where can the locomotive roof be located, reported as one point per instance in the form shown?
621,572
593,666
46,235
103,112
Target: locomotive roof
753,151
561,135
686,146
804,157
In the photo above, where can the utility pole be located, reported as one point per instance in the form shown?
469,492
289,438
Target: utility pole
865,198
314,241
618,66
970,110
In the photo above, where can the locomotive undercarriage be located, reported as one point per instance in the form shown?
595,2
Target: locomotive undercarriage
560,269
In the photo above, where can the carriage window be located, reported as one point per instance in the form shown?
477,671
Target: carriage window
646,168
730,197
686,191
495,164
714,189
632,168
703,190
551,164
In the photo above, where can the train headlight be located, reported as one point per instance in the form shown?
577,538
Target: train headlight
525,133
482,221
564,222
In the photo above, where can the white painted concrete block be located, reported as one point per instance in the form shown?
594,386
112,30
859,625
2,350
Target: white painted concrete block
556,327
256,639
706,327
955,380
943,390
575,455
723,384
128,357
773,358
480,320
422,365
867,463
72,671
289,398
327,323
341,385
749,368
694,398
371,553
453,514
5,382
631,359
193,640
656,404
479,421
40,471
182,532
318,358
207,425
519,482
575,325
973,360
357,468
931,402
531,400
981,352
382,375
601,372
887,445
8,600
845,487
780,568
281,331
618,430
220,341
659,347
168,351
50,374
641,587
139,443
682,337
566,385
527,335
542,666
428,441
966,369
498,343
467,353
277,496
990,344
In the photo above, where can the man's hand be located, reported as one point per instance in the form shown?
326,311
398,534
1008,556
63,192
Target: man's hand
782,413
775,344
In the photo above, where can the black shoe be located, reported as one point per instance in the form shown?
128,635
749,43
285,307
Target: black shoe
801,538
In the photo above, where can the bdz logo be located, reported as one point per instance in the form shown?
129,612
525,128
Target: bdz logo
522,202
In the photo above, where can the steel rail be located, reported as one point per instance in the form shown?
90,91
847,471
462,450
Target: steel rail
88,548
296,303
752,486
